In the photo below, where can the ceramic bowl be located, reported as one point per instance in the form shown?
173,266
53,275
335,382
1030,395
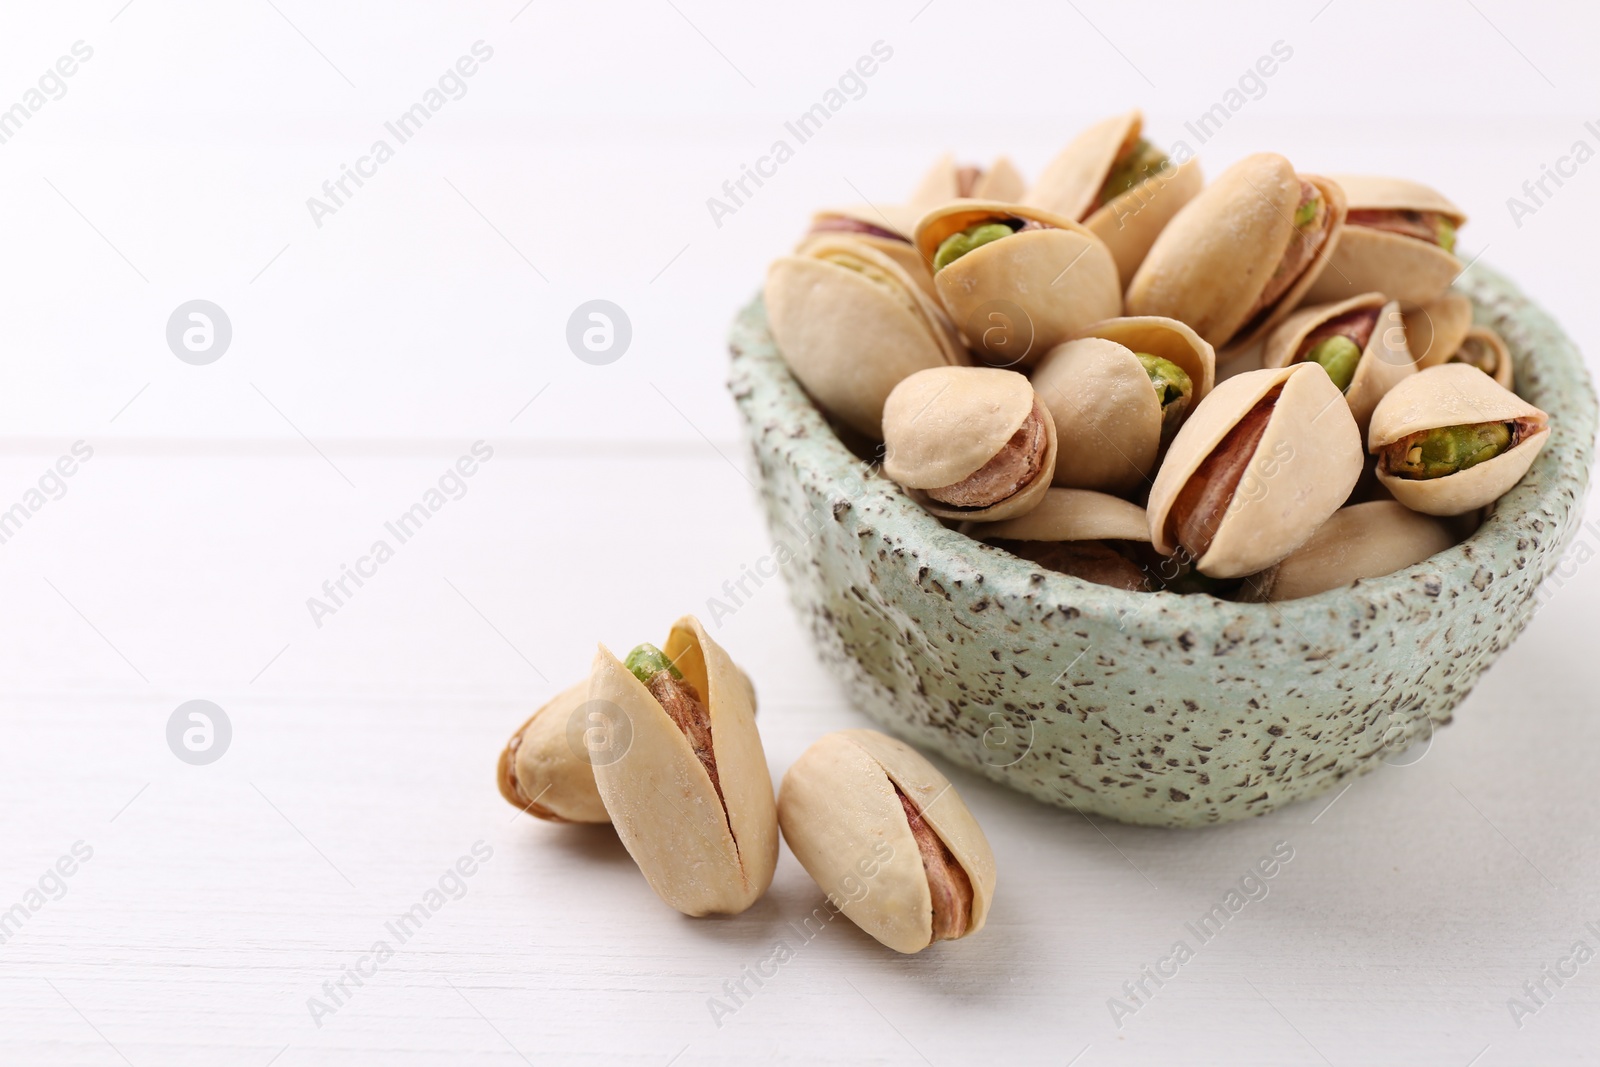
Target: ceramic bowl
1152,708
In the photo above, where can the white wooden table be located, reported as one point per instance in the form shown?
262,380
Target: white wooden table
228,913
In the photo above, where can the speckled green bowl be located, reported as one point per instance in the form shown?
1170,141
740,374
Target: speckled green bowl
1152,708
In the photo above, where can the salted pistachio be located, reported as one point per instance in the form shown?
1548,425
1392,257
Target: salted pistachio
851,323
689,794
1358,541
1260,464
543,772
886,228
969,442
1360,342
1450,439
1240,256
1016,280
1399,239
1119,185
1436,328
888,839
1485,349
1093,536
948,180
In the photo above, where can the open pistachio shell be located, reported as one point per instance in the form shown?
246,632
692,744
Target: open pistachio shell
1385,359
1059,279
846,822
1435,330
1072,515
886,228
704,847
543,773
1456,394
1170,340
851,324
947,180
1128,222
1360,541
1486,350
1216,263
1261,463
1368,259
1107,416
944,425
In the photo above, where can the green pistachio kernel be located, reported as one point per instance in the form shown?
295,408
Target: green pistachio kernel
1447,234
1306,212
957,245
646,661
1173,386
1338,355
1448,449
1142,162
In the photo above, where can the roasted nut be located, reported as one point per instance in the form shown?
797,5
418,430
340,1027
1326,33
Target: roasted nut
691,797
1050,272
884,228
1484,349
1088,535
1119,185
1399,239
1360,342
1435,330
1239,256
969,442
851,324
1449,439
888,839
947,181
1261,463
1360,541
543,773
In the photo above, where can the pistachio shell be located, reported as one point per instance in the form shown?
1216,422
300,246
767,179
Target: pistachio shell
942,184
1107,416
1360,541
1435,329
1455,394
1214,260
540,771
1371,192
1061,279
1072,515
847,827
1130,223
848,338
701,853
1408,270
894,218
1073,179
1167,338
1305,464
1384,361
1503,372
1002,181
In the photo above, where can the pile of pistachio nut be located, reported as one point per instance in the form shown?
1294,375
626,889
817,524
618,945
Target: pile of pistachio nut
663,746
1261,389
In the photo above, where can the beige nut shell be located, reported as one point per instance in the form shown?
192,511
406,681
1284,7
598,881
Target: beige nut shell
1408,270
842,819
1062,278
660,798
1306,463
1435,329
1385,361
848,339
1167,338
942,184
896,218
1359,541
1072,515
1455,394
1108,420
1215,258
540,773
1504,369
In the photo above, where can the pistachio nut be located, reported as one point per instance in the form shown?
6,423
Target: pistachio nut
947,180
1239,257
1449,439
885,228
1119,185
1109,407
850,323
888,839
543,773
1017,281
1261,463
1360,342
1358,541
691,796
969,442
1088,535
1485,349
1435,329
1399,239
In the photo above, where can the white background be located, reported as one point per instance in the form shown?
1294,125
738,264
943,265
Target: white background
425,314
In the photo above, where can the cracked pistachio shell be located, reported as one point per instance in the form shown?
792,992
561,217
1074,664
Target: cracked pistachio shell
1455,394
1435,330
1072,515
1129,222
851,333
1360,541
846,826
893,218
1305,464
943,183
1060,279
1385,361
1107,416
1371,260
1213,261
1167,338
701,855
1495,346
541,773
940,426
